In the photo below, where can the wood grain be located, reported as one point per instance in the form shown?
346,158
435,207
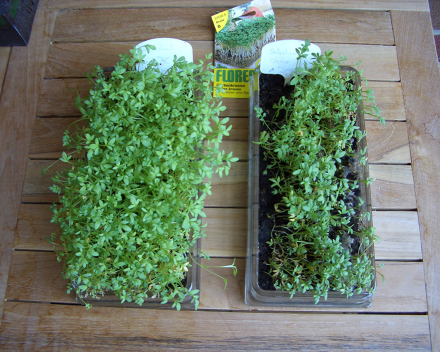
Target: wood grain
34,227
378,63
376,5
36,276
74,59
229,191
57,96
144,24
389,99
399,235
403,290
393,188
5,51
387,143
70,60
64,327
358,27
18,105
420,84
47,136
334,26
226,232
227,236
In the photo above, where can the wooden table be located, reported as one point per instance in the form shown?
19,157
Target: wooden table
394,41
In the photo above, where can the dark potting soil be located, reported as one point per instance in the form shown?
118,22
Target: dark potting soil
271,90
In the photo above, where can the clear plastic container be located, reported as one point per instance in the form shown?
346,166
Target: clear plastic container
192,283
254,294
192,280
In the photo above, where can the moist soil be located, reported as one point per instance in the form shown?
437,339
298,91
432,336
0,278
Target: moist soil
271,90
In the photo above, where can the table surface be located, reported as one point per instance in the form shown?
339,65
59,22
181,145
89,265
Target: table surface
394,41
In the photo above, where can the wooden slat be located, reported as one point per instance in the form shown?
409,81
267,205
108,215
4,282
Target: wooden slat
389,99
393,189
48,327
402,291
74,59
326,26
5,51
230,191
360,27
34,227
57,99
378,63
226,232
420,83
398,230
58,95
18,105
377,5
399,235
227,236
47,136
143,24
386,144
46,141
36,276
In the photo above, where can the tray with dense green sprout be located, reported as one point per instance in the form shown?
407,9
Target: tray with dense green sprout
311,240
130,210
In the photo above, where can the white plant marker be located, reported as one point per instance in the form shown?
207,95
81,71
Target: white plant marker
166,49
281,58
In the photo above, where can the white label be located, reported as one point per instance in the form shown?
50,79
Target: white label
280,57
166,49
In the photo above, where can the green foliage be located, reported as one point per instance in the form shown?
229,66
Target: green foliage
246,32
311,145
130,211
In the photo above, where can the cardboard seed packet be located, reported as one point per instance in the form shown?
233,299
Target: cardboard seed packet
241,33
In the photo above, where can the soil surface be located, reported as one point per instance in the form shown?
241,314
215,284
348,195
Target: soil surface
271,90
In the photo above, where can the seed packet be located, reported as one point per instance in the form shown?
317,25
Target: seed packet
241,33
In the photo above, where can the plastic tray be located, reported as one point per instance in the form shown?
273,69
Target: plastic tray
256,296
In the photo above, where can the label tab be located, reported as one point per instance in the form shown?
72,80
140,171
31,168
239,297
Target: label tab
220,20
280,57
166,49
